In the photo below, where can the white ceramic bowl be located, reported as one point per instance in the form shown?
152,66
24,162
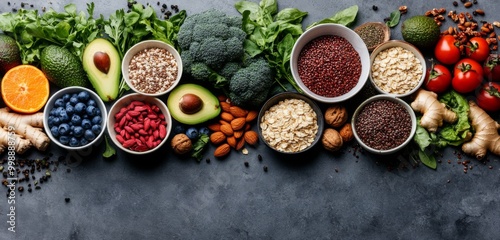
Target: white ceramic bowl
70,90
393,99
145,45
338,30
125,101
407,46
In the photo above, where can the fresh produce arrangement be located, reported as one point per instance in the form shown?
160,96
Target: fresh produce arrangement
232,65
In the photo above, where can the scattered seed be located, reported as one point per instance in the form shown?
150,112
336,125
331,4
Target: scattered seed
247,164
490,167
259,157
38,187
207,160
374,7
455,3
265,168
336,170
67,199
20,188
474,1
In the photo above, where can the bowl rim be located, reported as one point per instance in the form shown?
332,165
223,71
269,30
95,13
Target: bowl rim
331,29
129,98
95,97
292,95
390,98
408,46
142,45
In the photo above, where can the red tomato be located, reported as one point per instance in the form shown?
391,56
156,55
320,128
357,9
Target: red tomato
488,98
474,65
465,80
478,49
491,68
438,78
446,50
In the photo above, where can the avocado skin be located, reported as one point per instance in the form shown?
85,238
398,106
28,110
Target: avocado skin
420,31
210,109
106,85
9,54
62,68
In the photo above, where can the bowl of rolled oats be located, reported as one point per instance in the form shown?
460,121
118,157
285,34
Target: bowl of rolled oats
290,123
152,68
397,68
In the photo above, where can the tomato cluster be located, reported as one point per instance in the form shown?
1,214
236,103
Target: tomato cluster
464,70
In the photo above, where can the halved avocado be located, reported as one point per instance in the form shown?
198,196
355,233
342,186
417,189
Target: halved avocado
102,63
192,104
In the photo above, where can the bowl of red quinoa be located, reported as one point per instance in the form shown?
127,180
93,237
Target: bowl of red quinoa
383,124
397,68
330,63
290,123
152,68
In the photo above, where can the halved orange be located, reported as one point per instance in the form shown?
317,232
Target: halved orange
25,89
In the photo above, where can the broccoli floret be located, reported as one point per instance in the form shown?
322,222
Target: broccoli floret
249,87
214,39
187,61
229,69
200,71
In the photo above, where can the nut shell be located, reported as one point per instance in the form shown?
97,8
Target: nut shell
346,132
331,140
336,115
181,144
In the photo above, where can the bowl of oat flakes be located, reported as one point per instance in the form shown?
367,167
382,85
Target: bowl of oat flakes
152,68
397,68
290,123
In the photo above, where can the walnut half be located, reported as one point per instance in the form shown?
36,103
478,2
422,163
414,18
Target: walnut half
336,115
181,144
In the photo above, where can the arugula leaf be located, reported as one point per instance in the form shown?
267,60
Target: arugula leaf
109,151
345,17
199,146
394,19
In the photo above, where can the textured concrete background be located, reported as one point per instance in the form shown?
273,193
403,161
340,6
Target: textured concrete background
317,195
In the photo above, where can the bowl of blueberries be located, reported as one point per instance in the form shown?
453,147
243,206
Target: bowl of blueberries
74,118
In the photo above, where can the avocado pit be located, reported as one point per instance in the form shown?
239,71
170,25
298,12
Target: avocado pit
102,61
190,103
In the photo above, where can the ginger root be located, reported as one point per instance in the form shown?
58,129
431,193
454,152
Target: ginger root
486,136
23,130
434,112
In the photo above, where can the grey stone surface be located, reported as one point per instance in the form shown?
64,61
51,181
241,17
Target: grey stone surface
317,195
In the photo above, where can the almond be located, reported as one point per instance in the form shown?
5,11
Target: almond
238,112
231,141
247,127
217,138
251,137
238,123
214,127
226,129
222,150
225,106
223,122
228,117
240,144
252,114
238,134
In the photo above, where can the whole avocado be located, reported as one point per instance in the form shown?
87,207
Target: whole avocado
420,31
62,68
10,55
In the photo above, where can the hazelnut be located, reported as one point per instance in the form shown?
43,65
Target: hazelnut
336,115
346,132
331,140
181,144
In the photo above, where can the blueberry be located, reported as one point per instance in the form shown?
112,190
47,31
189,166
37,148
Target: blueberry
59,103
70,109
83,96
80,108
85,116
63,116
50,120
78,131
83,142
58,110
89,135
66,97
91,110
73,100
52,112
54,130
56,121
91,102
73,142
192,133
98,112
64,140
76,120
204,130
179,129
96,120
64,129
86,124
96,129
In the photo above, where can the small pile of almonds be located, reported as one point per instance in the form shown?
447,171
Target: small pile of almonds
233,129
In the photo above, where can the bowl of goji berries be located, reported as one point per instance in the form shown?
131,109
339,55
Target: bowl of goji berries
139,124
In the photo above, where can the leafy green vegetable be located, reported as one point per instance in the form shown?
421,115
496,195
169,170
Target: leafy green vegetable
109,151
272,33
70,29
345,17
394,19
199,146
427,159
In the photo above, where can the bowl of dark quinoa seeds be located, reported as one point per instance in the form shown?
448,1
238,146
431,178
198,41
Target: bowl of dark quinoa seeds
384,124
152,68
330,63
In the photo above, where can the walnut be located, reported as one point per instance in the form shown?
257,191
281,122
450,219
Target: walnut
346,132
336,115
331,140
181,144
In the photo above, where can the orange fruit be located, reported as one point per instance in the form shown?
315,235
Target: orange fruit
25,89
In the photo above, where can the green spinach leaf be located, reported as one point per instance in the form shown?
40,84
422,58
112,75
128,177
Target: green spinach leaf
394,19
345,17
